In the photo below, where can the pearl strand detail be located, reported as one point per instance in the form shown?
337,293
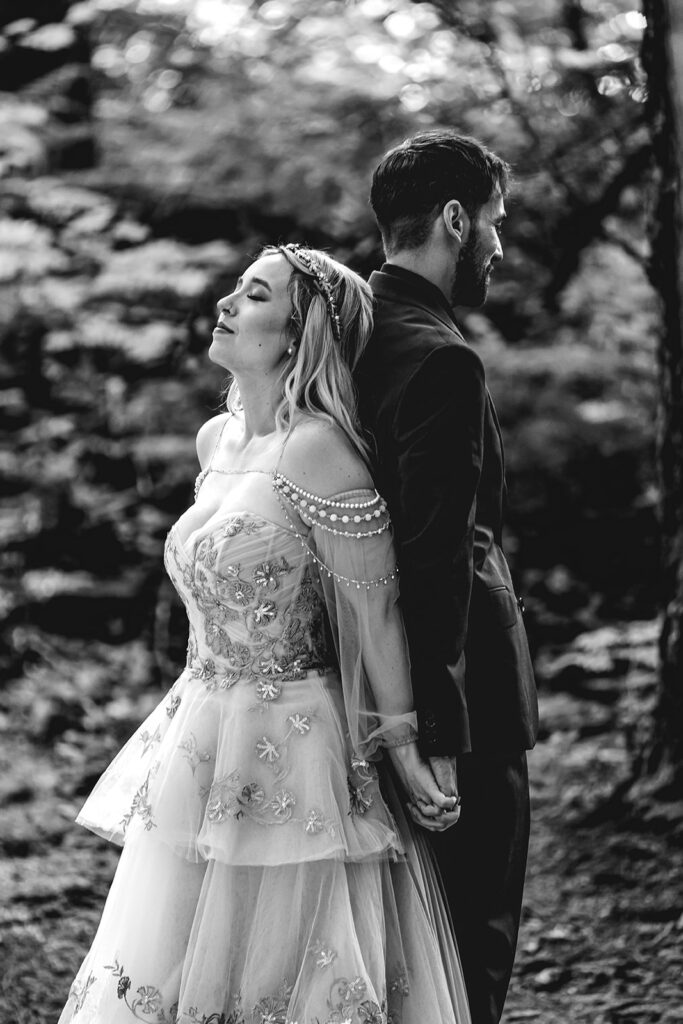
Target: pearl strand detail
309,511
286,484
366,584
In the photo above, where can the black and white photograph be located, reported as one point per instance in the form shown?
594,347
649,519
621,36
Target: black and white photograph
341,520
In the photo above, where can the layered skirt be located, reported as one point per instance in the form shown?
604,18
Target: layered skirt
268,874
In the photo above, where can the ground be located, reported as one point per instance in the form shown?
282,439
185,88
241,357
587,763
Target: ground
602,932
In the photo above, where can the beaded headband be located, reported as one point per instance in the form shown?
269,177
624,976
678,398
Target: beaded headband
311,267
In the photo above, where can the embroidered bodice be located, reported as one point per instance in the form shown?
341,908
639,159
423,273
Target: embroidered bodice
256,610
268,603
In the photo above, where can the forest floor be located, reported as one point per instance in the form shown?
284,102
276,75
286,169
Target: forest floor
602,932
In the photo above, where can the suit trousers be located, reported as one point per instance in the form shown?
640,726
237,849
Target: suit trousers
482,860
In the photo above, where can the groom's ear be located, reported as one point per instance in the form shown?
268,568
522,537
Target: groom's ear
456,221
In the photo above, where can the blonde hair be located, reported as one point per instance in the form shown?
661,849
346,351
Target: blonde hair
317,376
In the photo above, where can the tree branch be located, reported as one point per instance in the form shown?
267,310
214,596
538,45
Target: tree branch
640,257
581,226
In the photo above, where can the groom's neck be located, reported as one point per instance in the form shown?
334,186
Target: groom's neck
428,264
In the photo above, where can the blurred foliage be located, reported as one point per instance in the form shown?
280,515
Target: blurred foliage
149,146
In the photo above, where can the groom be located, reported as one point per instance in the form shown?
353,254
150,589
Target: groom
439,200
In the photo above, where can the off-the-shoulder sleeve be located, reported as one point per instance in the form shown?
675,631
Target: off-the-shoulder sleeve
348,537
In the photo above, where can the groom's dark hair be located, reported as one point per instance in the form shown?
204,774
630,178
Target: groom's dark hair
416,179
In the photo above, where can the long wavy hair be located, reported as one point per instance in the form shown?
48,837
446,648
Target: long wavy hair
317,377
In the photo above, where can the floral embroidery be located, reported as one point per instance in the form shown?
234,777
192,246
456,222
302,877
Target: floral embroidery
364,776
272,753
206,672
192,754
191,646
217,639
267,573
346,1003
359,801
204,669
323,954
207,552
148,740
353,990
267,691
266,750
400,984
314,823
217,811
308,601
286,634
228,798
79,992
252,795
147,1001
240,525
140,806
238,590
173,705
371,1013
282,802
266,611
150,999
270,666
273,1009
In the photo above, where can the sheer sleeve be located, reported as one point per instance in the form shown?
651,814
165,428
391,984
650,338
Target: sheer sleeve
348,537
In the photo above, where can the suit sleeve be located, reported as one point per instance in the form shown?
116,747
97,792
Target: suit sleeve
439,431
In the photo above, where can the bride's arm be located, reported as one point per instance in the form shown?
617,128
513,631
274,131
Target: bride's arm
327,494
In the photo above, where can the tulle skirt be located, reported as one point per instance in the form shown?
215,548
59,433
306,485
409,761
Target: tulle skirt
268,875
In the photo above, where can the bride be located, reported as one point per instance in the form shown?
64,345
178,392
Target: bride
270,872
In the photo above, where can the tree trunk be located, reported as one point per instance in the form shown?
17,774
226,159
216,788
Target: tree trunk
663,62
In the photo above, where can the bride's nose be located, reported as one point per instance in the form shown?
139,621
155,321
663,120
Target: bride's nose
225,305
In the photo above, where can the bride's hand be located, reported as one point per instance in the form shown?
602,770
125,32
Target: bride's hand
427,804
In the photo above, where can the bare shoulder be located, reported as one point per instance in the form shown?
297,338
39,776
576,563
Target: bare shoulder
207,436
320,458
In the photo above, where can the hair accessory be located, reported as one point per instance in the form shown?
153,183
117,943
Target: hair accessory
304,257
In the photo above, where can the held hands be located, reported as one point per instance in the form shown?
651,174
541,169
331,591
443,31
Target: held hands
431,788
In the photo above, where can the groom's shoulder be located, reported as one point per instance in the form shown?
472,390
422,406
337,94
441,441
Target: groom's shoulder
409,333
408,316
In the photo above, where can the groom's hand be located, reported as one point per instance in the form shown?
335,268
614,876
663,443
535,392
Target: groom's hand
445,771
427,804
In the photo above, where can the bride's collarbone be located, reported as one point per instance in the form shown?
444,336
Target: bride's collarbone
218,500
223,488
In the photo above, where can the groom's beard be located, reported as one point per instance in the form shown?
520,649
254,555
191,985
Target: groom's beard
472,275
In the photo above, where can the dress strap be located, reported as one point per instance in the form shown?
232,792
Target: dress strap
201,476
276,471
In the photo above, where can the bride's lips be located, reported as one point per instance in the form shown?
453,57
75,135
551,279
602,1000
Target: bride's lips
222,327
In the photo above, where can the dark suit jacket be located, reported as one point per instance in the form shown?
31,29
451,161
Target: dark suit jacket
439,464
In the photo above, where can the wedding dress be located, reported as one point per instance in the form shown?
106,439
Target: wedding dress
269,874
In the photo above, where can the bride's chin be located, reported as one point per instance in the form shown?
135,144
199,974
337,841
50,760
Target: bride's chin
216,357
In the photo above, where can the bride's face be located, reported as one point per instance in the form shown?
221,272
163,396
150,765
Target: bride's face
251,334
